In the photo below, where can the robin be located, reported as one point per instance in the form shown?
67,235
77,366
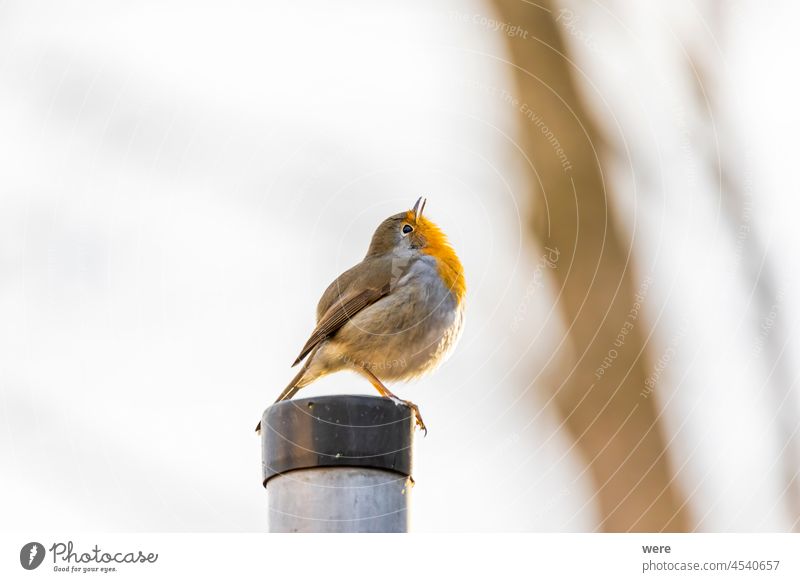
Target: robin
395,315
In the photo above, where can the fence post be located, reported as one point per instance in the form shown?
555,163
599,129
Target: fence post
337,464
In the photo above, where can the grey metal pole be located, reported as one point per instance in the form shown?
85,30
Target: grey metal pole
337,464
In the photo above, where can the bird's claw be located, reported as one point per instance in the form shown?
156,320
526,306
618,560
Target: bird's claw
417,416
414,408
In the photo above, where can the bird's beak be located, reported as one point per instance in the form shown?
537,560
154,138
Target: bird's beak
418,208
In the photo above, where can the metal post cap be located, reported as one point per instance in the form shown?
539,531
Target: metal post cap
337,431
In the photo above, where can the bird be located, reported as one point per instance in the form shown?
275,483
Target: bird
395,316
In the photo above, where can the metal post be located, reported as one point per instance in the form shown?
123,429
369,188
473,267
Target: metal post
337,464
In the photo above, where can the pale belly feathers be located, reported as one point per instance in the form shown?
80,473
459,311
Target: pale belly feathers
405,334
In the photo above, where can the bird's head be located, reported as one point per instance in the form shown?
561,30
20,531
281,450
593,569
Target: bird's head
409,233
406,231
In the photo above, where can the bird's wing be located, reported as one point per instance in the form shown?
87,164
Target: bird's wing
340,313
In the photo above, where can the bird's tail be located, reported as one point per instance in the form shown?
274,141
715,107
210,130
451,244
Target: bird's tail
300,380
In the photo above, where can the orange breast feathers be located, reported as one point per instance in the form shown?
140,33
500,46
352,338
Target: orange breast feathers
447,262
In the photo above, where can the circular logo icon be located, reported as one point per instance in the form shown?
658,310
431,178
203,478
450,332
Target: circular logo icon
31,555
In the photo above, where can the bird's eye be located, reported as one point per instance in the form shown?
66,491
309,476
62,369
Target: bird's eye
407,228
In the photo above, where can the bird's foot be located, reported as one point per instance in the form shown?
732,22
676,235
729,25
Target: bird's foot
417,417
414,408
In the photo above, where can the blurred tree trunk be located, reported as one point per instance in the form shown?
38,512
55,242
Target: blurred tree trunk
614,426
